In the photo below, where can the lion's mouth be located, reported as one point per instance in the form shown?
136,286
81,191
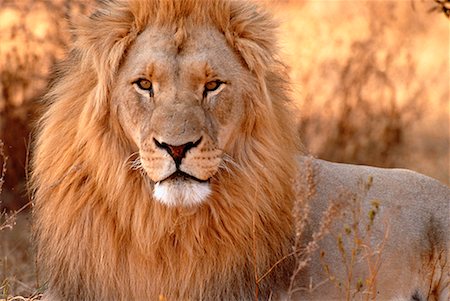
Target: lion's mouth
181,189
180,176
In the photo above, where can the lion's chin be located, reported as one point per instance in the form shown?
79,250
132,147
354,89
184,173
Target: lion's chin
184,193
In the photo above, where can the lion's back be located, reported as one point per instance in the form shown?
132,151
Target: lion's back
408,214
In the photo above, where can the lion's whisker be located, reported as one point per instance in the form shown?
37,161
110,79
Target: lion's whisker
136,164
228,164
127,160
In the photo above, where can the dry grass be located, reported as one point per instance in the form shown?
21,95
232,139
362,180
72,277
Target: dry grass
371,83
355,245
371,80
17,272
303,250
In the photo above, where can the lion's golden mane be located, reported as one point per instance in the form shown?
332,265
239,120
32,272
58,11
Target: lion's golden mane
99,233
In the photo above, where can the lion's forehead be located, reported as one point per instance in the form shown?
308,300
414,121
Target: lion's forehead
156,48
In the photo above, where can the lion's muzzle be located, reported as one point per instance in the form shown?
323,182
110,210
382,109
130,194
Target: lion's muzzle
181,172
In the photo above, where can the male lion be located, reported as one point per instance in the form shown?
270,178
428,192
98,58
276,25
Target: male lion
165,167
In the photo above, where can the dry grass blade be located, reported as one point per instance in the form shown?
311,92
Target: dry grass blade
3,168
441,6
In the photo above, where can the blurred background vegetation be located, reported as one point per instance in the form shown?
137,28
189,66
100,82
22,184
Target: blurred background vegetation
371,81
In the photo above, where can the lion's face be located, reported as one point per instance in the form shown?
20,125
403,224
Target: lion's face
178,99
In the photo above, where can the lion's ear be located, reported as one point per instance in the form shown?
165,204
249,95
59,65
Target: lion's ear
102,40
252,32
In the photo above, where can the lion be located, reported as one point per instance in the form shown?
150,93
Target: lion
166,160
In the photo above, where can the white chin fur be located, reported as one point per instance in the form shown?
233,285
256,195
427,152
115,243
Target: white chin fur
176,193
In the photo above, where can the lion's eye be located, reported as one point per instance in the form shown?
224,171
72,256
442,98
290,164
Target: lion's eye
145,84
212,85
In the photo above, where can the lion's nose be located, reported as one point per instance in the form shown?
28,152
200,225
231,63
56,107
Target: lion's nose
177,152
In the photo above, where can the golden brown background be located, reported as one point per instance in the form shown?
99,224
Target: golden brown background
370,78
